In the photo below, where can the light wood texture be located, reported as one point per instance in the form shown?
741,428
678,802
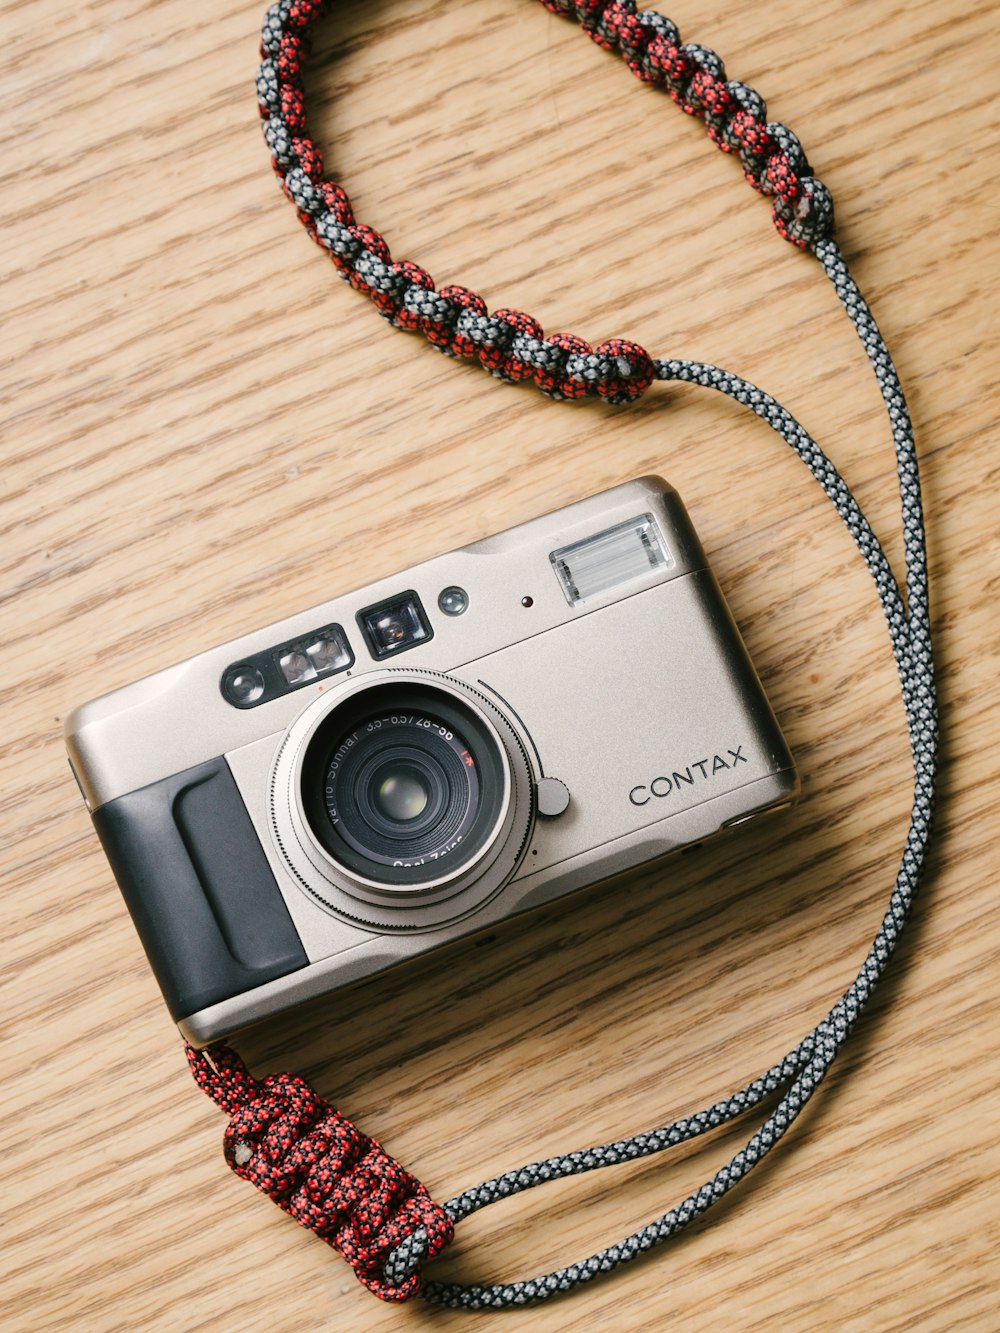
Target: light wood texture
203,429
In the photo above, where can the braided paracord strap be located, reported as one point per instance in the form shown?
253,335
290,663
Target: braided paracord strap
511,346
508,343
318,1166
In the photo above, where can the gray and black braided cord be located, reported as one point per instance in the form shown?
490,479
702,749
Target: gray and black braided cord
802,1070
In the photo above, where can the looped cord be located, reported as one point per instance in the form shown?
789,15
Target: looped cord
800,1073
319,1167
509,344
512,346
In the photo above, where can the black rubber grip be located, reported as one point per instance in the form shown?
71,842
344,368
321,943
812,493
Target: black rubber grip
204,901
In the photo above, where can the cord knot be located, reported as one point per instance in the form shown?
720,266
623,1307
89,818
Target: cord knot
464,302
808,219
621,29
401,306
658,31
786,165
503,360
627,370
289,57
669,63
561,358
509,343
707,73
588,13
268,89
321,1169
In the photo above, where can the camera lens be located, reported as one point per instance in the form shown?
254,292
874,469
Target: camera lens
403,784
402,796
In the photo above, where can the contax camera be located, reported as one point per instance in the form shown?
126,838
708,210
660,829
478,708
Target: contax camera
350,787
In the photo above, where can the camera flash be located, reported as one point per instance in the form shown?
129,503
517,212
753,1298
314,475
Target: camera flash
610,558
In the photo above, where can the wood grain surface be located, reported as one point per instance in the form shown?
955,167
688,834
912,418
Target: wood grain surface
204,430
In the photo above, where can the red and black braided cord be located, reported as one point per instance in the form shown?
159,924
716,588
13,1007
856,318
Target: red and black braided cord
508,343
319,1167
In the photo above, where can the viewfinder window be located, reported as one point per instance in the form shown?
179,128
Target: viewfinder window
393,626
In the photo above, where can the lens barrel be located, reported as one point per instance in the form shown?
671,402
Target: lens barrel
401,800
403,783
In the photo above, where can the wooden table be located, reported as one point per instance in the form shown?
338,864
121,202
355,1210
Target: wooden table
204,430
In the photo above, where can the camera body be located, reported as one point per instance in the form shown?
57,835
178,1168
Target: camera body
364,781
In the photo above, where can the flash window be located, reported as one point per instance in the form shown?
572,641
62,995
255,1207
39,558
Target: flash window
609,559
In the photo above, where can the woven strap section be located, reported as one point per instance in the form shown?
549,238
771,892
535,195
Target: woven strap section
319,1167
508,343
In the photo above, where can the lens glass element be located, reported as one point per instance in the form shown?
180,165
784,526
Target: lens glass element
403,783
402,796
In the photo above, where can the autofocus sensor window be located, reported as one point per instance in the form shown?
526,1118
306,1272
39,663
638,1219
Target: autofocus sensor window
393,626
243,685
287,666
320,655
403,784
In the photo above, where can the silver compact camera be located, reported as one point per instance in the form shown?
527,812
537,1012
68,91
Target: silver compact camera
359,783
